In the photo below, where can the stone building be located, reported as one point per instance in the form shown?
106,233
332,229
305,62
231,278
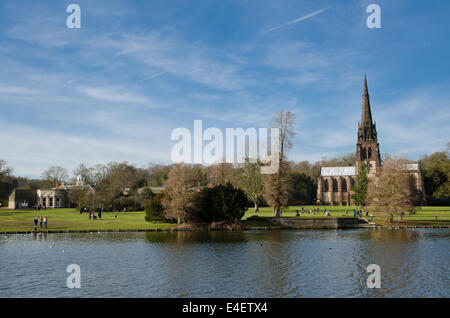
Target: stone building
335,183
57,197
54,198
22,198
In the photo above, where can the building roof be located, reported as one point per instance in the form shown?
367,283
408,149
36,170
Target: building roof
337,171
24,195
412,166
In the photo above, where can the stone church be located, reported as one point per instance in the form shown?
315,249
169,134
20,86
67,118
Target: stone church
335,183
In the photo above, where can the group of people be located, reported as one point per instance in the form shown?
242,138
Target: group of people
38,207
314,211
41,221
359,213
327,213
91,213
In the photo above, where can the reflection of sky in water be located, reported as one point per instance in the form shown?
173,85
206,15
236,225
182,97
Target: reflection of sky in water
315,263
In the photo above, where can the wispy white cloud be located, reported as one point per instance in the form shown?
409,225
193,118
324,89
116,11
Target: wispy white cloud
113,94
16,90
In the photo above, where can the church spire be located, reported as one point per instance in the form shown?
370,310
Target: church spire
366,115
367,147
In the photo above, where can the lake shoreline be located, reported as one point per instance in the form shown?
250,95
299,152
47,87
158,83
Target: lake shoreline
260,228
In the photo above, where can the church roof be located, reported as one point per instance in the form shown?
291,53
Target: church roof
337,171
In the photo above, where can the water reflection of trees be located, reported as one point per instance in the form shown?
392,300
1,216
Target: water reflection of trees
391,235
189,237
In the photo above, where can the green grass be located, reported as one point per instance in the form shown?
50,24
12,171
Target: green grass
70,219
424,215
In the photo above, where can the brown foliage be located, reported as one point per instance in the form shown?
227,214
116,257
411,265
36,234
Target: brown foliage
392,192
178,192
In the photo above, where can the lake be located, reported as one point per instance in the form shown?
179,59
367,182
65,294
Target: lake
289,263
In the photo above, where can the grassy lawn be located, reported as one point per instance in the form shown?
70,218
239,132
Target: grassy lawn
71,219
424,215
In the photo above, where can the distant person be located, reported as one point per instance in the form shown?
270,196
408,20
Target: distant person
35,222
346,211
371,216
45,221
354,213
435,217
40,222
297,213
90,214
115,216
100,215
124,209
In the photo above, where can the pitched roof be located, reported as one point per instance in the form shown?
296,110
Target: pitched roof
337,171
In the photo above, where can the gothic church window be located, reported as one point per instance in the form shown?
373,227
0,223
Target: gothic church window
325,186
335,185
344,185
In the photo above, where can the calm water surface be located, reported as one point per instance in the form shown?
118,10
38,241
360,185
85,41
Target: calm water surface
307,263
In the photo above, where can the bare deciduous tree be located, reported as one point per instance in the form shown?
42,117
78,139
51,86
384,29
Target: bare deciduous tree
55,174
4,169
248,178
79,195
179,192
391,193
220,173
276,185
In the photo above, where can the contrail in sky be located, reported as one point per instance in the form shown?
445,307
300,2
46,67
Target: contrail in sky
303,18
152,76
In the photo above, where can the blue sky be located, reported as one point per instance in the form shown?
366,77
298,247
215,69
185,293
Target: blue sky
116,88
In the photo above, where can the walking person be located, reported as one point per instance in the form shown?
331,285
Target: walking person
35,223
40,222
45,221
100,215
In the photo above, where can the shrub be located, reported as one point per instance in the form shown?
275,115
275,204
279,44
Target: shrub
154,209
220,203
